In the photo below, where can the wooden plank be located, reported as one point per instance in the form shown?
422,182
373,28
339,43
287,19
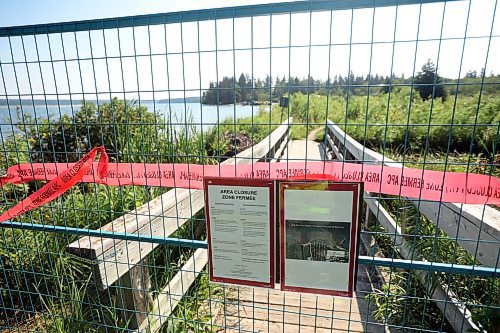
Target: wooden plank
459,317
256,306
160,217
300,148
477,226
281,149
113,262
316,318
170,296
334,148
134,299
232,324
261,149
360,152
304,301
284,155
254,309
93,247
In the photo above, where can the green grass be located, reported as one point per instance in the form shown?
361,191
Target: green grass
194,313
402,302
454,161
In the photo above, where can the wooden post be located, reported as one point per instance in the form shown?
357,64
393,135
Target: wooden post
367,216
199,230
134,298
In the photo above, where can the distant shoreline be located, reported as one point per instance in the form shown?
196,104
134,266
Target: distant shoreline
16,102
243,103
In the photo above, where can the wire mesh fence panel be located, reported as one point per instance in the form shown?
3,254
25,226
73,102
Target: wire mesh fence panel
174,97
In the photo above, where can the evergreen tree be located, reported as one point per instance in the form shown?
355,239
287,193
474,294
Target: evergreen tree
243,92
429,82
471,75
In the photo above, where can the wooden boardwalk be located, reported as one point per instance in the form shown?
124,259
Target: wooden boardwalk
260,310
301,150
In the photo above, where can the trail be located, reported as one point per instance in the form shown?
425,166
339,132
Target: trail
312,134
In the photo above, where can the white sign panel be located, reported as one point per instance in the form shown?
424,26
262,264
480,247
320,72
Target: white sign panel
240,225
319,237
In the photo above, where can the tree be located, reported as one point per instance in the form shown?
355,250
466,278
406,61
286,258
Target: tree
429,82
120,126
387,86
243,91
471,75
226,91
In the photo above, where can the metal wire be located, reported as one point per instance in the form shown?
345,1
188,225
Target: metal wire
104,258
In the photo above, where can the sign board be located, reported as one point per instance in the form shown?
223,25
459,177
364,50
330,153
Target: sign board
240,230
319,236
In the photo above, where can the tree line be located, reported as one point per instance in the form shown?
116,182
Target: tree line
427,83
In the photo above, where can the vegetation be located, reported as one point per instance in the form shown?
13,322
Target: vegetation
404,301
228,91
399,122
388,116
129,132
54,290
427,83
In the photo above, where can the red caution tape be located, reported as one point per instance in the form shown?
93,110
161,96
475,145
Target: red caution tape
455,187
59,184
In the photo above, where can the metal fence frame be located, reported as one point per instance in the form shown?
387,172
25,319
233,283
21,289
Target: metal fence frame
231,13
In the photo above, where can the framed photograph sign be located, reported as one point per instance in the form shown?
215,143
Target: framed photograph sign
240,230
319,234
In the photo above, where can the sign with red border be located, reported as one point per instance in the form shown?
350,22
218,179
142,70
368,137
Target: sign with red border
319,236
240,230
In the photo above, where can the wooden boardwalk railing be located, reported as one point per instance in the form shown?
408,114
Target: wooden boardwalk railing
476,227
471,224
123,262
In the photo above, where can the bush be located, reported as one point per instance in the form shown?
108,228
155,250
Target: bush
129,132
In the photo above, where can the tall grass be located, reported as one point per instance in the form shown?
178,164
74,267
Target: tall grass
395,120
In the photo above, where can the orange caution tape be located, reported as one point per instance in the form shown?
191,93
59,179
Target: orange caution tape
59,184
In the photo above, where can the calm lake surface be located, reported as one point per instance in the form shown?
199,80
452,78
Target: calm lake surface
200,115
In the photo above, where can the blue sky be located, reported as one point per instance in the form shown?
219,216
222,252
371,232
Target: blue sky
105,62
22,12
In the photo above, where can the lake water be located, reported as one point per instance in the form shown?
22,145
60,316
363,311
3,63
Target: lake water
202,116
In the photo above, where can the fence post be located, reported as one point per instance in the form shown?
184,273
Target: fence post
133,295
